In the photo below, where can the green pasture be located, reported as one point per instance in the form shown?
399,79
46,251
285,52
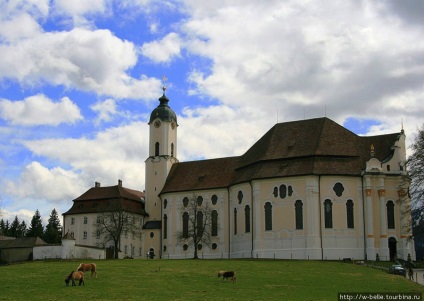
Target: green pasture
197,280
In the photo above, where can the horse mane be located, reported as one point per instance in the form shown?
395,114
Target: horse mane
70,275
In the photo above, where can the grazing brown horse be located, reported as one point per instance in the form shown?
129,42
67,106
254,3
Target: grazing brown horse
75,276
88,267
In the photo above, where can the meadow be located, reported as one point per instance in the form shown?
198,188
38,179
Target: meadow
197,280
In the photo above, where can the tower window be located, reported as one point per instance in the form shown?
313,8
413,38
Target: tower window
172,149
157,149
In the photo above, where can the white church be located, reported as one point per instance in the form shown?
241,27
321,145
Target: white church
308,189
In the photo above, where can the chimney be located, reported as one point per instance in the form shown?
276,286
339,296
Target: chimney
119,183
97,184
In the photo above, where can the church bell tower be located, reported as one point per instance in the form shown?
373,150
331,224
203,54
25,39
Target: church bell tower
162,154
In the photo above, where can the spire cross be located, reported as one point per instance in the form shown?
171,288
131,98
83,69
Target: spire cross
164,80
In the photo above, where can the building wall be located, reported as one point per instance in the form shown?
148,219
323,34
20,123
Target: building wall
68,250
84,231
15,255
314,240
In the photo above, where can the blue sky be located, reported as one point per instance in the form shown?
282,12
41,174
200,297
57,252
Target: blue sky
78,80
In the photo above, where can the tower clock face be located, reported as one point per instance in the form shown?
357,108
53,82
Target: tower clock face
157,123
173,125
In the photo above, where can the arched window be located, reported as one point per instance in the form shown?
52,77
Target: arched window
390,215
247,218
283,191
185,201
172,149
157,149
165,226
328,214
214,199
268,216
199,200
235,221
338,189
298,207
240,196
275,192
214,223
349,214
199,223
185,225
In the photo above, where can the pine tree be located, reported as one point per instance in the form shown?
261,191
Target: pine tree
14,227
36,228
53,233
22,229
3,230
6,230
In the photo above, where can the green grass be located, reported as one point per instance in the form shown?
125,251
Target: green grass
197,280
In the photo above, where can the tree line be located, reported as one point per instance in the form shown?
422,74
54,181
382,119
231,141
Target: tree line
52,233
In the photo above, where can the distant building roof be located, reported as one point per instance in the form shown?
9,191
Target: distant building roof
21,242
108,199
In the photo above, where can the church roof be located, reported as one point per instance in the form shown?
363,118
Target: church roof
163,111
317,146
107,199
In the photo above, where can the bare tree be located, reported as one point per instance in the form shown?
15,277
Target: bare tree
415,165
197,223
110,226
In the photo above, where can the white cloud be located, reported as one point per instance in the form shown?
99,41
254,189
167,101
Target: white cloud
37,8
301,56
78,10
95,61
39,182
18,27
39,110
80,7
116,153
163,51
105,110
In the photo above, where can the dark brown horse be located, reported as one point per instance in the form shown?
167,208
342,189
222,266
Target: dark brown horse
75,276
88,267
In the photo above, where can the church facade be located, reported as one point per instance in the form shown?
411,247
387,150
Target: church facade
307,189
